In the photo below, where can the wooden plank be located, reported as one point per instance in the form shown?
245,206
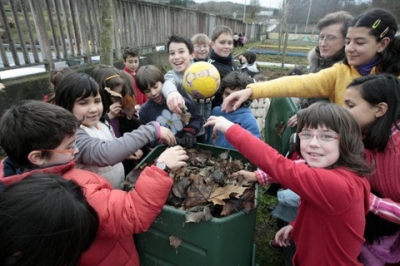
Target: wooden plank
30,33
52,28
7,31
19,32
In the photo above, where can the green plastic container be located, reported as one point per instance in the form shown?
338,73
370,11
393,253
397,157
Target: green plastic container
276,132
220,241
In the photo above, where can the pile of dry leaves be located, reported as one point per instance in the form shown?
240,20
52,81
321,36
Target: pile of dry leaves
206,188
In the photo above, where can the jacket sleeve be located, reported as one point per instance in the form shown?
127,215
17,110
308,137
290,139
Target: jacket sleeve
97,152
124,213
330,190
313,85
385,208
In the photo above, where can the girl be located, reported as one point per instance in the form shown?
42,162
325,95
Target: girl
371,48
55,77
248,64
374,101
56,228
99,150
334,197
234,81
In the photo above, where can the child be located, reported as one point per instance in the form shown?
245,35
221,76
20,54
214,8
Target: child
180,51
100,151
243,116
40,137
334,197
221,55
248,63
149,81
374,101
119,102
201,44
380,53
45,220
54,79
131,61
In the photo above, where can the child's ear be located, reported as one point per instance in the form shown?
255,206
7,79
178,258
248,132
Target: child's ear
383,44
382,109
36,158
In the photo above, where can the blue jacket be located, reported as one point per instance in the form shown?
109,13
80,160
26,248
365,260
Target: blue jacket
242,116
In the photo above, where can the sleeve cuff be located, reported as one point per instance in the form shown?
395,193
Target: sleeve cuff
261,177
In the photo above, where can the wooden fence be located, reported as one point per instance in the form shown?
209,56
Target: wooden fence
46,31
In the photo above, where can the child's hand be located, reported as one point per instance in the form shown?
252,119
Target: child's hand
220,123
235,99
175,102
174,157
292,122
115,108
167,136
249,176
137,155
283,236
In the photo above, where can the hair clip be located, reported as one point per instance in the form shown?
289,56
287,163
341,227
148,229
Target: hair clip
113,76
384,32
376,24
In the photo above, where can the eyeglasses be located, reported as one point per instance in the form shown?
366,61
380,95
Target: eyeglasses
325,136
71,151
199,47
329,38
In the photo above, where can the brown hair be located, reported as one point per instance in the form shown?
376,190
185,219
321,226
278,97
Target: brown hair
148,76
338,119
340,17
220,29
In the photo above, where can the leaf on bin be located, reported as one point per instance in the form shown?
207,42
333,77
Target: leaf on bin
221,193
230,207
198,193
198,213
175,241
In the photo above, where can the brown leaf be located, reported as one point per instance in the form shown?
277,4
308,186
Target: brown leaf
221,193
175,241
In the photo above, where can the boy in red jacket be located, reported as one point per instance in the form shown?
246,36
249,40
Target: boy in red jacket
40,137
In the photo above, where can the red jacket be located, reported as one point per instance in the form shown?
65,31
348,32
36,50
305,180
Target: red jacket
329,227
140,97
121,214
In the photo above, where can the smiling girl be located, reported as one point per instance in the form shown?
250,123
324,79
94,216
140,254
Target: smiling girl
329,227
371,48
99,150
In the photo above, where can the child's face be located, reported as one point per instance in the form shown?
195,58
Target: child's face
154,93
361,46
201,51
63,154
132,63
317,152
364,113
223,45
179,56
89,110
227,92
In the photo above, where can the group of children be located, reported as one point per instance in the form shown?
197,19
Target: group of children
70,149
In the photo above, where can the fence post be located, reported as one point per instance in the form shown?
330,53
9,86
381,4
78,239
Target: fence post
42,34
107,27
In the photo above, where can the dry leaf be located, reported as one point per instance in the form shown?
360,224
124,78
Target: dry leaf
221,193
175,241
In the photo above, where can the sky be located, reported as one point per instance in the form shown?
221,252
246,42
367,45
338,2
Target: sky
265,3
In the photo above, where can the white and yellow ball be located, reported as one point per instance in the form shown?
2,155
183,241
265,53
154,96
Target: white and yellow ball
201,80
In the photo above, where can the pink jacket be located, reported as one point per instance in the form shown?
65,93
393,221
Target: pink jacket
121,214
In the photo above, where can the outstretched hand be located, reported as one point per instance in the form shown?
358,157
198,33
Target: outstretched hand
219,123
174,157
167,136
175,102
283,236
235,100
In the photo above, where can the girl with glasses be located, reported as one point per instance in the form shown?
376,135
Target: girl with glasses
329,227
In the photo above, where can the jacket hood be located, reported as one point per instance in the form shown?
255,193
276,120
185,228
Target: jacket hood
318,63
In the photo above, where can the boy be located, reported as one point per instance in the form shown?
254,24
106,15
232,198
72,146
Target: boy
184,127
40,137
180,51
221,55
201,44
131,62
243,116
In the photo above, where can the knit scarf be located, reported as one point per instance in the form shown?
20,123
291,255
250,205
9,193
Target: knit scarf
366,68
224,60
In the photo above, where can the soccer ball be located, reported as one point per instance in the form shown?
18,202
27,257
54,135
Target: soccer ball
201,80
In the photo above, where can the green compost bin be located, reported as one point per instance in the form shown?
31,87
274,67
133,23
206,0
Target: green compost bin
217,242
276,131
